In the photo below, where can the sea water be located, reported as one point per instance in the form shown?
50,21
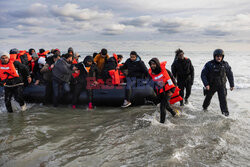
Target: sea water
109,136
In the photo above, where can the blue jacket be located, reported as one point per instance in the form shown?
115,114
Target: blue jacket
214,74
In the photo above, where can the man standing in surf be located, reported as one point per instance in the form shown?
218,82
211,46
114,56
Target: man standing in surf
164,86
183,70
214,77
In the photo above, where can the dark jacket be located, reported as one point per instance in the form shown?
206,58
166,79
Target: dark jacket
24,59
23,74
62,70
36,74
157,70
110,64
183,70
82,78
215,74
135,68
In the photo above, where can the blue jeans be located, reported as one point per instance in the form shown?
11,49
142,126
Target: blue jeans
59,89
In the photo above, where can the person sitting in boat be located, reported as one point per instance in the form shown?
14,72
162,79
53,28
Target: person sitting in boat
61,75
12,74
121,72
43,53
110,71
20,56
76,58
86,70
35,69
47,76
31,51
136,70
100,60
164,86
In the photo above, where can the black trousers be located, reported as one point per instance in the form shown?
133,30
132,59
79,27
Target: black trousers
48,92
17,92
222,94
164,98
78,88
185,85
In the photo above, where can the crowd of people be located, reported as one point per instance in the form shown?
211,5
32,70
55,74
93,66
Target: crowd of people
64,73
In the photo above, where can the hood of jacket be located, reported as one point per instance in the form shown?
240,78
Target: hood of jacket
157,70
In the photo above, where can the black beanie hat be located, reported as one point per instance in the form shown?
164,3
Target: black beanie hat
104,51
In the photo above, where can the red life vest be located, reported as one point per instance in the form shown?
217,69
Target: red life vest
122,76
13,57
114,74
175,97
21,53
164,77
29,56
8,71
44,54
76,74
32,63
74,61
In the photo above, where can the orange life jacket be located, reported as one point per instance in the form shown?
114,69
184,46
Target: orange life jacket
164,77
87,69
8,71
122,76
21,53
44,54
29,56
13,57
175,97
114,74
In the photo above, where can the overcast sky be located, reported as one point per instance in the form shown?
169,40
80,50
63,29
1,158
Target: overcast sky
126,25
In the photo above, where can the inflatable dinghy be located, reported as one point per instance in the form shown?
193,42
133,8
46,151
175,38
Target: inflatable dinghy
107,96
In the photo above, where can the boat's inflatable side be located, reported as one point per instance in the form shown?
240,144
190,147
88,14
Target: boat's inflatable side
113,96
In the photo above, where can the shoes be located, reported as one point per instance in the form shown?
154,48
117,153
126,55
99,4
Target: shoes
181,103
226,113
204,109
173,113
126,104
186,101
90,106
73,106
23,107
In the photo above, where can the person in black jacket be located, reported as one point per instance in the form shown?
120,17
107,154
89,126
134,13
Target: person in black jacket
183,70
12,80
61,75
165,96
87,69
136,70
46,72
22,57
110,64
214,77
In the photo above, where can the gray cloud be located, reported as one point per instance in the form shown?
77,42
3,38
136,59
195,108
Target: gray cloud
215,32
168,27
138,21
34,10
